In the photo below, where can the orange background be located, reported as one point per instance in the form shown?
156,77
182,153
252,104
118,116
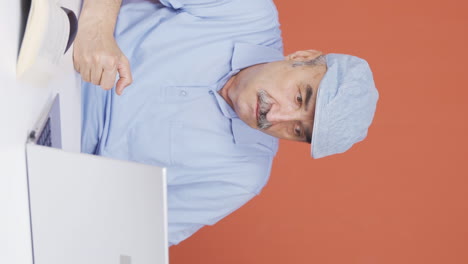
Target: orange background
401,196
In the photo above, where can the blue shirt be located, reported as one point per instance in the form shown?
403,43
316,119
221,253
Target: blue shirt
181,53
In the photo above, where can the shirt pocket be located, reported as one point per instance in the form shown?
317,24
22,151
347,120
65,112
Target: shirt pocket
150,142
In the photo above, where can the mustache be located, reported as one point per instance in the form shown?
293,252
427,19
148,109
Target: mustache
264,106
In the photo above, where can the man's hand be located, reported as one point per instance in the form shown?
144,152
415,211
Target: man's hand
96,55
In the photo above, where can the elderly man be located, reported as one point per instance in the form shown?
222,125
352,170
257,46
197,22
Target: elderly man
210,95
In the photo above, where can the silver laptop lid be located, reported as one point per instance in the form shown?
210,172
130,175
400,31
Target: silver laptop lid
90,209
95,210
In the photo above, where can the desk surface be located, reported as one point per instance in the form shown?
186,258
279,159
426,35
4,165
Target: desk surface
20,105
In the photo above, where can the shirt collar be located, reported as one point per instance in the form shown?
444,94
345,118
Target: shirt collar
243,56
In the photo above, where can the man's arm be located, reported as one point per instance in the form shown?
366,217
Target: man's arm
202,203
96,55
205,194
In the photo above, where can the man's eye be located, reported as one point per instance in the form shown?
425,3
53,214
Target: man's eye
299,98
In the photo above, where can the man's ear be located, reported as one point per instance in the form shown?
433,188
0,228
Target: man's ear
303,55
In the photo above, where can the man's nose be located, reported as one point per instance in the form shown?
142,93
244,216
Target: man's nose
283,114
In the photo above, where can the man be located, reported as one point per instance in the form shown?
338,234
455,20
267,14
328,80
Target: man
210,94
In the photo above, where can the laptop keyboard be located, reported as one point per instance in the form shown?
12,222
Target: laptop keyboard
45,139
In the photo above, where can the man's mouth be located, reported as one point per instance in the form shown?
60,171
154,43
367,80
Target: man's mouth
256,111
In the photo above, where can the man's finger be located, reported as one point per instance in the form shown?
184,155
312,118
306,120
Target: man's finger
86,74
76,65
108,79
125,75
96,74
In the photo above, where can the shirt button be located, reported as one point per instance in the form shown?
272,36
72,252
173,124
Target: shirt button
211,92
183,93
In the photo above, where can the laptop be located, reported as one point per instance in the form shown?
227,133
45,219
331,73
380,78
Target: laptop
47,130
91,209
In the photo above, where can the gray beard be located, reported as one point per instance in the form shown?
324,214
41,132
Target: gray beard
264,105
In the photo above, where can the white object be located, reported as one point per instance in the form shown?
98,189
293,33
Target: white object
50,30
95,210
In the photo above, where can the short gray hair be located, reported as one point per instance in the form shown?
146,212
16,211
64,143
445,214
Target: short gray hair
320,60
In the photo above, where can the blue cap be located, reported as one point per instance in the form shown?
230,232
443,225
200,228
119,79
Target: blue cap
345,105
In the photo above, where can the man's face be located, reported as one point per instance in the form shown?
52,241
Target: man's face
278,97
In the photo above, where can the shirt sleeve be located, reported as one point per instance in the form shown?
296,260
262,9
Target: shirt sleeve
211,195
201,204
